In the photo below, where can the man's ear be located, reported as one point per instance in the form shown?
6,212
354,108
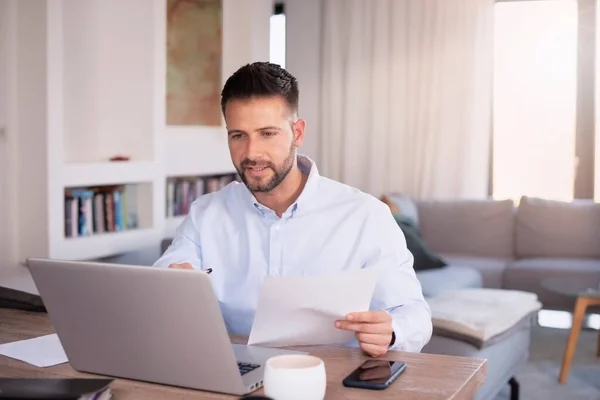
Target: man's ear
298,129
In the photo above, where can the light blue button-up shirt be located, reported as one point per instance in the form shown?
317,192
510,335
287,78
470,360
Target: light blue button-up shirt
331,227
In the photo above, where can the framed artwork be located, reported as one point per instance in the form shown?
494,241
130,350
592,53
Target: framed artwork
194,57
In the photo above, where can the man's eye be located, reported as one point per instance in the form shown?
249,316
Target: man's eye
236,136
267,133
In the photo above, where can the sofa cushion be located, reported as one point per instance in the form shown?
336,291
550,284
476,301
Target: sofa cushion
527,275
423,257
550,228
491,269
476,227
481,316
437,281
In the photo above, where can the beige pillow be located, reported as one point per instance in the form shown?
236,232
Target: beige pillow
393,207
404,205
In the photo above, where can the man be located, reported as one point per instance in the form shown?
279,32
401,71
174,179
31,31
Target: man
286,219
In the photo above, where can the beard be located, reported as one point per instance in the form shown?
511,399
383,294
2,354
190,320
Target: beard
266,184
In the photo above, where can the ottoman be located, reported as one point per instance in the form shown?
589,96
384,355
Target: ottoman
491,324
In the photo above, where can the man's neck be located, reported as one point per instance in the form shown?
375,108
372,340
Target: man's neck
286,193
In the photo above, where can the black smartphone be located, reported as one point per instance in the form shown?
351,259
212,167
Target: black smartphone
374,374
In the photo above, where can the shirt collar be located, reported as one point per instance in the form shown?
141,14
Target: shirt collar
307,166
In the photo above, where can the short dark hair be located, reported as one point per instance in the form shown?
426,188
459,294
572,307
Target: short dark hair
261,79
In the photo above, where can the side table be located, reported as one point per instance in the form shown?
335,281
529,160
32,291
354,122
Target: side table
586,293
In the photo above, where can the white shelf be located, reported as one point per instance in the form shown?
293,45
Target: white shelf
108,173
200,151
106,244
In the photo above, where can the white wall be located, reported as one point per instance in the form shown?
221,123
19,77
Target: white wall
4,66
8,71
303,59
31,171
25,152
107,67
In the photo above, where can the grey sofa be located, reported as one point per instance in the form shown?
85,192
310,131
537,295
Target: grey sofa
496,244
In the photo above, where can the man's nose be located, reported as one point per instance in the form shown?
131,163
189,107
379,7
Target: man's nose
253,148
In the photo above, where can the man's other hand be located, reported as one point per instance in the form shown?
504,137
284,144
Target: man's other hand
181,266
373,330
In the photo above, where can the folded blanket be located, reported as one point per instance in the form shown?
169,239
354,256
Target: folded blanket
481,316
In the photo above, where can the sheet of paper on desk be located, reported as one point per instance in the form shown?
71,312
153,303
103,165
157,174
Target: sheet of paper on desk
302,310
43,351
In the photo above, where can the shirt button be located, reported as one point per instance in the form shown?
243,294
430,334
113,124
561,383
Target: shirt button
275,272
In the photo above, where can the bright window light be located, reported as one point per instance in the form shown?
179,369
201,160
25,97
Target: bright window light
277,40
535,84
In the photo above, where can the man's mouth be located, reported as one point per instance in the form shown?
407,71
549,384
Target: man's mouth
257,170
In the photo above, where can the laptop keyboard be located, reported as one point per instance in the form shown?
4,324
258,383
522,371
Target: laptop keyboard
245,367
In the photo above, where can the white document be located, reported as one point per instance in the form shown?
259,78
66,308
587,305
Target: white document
43,351
303,310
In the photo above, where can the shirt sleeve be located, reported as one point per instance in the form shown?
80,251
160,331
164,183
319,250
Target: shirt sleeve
185,247
398,291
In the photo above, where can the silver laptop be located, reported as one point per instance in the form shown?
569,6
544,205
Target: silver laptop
150,324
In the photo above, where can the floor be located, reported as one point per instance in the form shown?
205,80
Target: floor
539,377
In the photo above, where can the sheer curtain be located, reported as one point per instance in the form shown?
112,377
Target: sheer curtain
406,96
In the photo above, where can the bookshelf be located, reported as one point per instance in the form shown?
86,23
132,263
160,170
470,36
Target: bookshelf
91,81
183,190
101,210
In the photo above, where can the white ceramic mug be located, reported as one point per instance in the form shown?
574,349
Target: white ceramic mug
295,377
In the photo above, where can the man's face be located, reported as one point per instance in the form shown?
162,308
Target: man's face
262,140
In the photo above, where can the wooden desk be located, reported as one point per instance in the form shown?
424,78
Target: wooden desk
426,377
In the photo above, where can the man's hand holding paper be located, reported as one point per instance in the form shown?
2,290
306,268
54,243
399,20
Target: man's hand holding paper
373,330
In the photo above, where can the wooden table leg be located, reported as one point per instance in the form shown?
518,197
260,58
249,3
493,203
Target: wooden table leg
578,313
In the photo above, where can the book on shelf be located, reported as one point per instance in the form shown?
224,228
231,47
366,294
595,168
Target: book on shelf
182,191
96,210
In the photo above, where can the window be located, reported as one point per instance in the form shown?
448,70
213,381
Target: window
277,36
534,105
